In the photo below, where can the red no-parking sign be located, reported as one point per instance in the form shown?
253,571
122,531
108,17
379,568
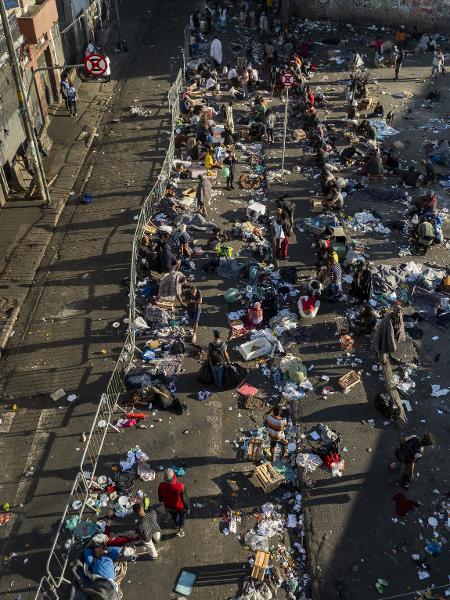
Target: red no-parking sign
287,79
96,65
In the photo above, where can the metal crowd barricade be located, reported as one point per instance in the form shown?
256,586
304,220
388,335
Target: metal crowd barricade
45,591
64,546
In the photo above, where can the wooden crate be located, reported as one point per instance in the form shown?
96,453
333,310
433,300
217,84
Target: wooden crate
260,566
267,477
254,449
316,205
347,381
342,326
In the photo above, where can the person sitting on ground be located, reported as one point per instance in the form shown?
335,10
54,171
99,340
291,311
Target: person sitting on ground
426,204
411,177
171,285
434,95
391,162
217,236
335,199
255,316
374,166
361,286
326,181
100,561
378,111
348,154
166,258
365,321
210,162
276,426
308,306
423,236
410,451
183,241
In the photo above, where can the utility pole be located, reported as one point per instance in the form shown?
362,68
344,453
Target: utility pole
119,24
39,173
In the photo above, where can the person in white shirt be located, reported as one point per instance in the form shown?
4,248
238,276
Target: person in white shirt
216,52
211,84
437,65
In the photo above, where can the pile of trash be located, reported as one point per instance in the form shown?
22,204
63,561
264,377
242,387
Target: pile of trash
365,221
285,568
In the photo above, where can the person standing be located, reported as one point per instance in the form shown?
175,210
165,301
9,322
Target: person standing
72,97
230,161
203,194
229,121
217,357
282,231
216,52
108,69
270,125
399,62
147,529
276,425
437,65
175,499
410,451
400,37
193,299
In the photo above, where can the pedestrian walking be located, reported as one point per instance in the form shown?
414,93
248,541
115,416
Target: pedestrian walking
64,88
175,499
147,529
230,161
437,65
399,62
229,121
72,97
193,299
217,358
410,451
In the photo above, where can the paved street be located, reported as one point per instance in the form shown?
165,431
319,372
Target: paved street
65,339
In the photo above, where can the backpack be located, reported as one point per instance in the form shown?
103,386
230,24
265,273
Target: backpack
407,451
386,406
216,354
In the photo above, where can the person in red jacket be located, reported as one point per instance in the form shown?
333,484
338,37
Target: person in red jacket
175,499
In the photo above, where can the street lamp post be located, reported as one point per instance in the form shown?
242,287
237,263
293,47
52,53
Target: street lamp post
39,173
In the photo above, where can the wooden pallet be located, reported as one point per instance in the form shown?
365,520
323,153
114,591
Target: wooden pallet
260,566
267,477
349,380
254,449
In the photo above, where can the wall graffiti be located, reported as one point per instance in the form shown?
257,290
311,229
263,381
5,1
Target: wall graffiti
428,13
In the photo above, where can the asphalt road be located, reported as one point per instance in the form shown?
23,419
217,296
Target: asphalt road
352,539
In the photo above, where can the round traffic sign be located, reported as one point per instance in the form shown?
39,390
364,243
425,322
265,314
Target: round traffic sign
287,79
96,64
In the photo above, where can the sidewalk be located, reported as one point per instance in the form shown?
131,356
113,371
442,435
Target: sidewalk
26,227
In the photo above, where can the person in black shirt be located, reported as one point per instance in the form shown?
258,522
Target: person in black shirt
230,161
167,258
147,529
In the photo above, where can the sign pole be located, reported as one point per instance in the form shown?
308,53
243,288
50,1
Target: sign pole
285,130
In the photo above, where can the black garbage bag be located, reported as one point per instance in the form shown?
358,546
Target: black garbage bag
204,374
234,375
